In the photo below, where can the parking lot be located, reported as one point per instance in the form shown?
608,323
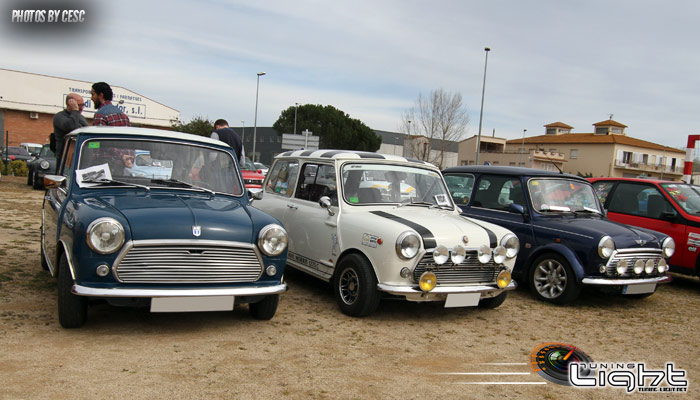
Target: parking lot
310,349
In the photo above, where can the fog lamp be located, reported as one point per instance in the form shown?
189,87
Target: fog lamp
602,269
649,266
271,270
484,254
458,254
102,270
440,255
662,267
427,281
621,267
503,279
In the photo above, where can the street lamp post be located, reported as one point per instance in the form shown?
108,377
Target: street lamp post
481,114
522,148
243,131
295,118
255,124
410,139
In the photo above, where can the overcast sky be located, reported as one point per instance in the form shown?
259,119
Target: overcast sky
570,61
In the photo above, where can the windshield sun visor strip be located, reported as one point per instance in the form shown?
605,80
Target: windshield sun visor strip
427,236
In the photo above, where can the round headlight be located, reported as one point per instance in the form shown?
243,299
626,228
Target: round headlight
44,164
621,267
499,254
105,235
458,254
503,278
639,267
512,245
407,245
662,267
669,247
606,246
649,266
427,281
484,254
272,240
441,254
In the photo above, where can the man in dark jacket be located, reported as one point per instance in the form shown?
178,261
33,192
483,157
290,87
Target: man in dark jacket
229,136
67,120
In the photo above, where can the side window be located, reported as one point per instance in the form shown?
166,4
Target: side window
460,187
636,199
318,181
282,178
499,192
602,189
67,161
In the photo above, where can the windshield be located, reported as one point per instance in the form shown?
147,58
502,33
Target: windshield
383,183
46,152
557,195
684,195
248,165
160,164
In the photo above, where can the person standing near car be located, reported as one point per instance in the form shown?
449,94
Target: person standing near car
227,135
107,114
67,120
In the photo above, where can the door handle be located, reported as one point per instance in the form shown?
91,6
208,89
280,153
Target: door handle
292,206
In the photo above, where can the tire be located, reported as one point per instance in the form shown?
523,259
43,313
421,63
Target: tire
72,309
355,286
552,279
37,183
493,302
265,309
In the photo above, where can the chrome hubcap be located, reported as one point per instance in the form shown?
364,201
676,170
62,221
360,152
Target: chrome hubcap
550,279
348,286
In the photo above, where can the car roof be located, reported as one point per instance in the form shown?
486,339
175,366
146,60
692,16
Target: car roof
348,155
503,170
645,180
162,133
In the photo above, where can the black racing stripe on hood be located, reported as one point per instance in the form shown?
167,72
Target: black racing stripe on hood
493,239
426,235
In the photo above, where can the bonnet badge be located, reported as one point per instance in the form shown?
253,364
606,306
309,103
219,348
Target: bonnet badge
196,230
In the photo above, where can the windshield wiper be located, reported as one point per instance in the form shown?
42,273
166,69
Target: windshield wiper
105,181
587,210
178,183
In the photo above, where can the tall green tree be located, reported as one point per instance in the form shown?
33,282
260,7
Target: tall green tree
198,126
335,128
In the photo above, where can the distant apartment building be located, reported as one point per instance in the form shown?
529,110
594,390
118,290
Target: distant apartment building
608,151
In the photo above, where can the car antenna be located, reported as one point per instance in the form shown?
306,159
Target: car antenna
553,163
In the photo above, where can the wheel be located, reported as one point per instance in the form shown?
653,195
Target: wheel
265,309
38,183
72,309
493,302
553,280
355,286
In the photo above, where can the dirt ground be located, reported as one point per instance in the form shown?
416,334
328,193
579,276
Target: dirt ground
309,349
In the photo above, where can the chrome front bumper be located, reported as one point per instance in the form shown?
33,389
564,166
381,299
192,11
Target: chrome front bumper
622,282
443,290
119,292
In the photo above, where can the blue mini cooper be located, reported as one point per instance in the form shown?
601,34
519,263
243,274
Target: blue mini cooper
184,239
566,241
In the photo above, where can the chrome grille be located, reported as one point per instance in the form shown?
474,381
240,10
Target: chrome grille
188,264
632,257
470,271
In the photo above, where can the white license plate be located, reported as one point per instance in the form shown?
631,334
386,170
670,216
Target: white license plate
639,289
190,304
462,300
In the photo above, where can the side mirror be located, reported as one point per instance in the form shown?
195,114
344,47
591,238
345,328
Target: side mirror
53,181
516,208
325,202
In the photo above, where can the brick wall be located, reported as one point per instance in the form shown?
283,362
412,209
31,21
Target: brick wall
24,129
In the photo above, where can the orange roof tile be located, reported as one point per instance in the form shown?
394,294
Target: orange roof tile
558,124
610,122
590,138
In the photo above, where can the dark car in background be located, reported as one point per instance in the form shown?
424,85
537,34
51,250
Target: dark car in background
13,153
186,241
665,206
566,240
43,164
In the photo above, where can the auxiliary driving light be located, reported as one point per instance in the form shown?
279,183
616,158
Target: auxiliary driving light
621,267
427,281
663,267
638,267
649,266
499,254
503,279
440,255
458,254
484,254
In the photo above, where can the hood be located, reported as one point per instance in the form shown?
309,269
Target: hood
440,227
175,216
624,236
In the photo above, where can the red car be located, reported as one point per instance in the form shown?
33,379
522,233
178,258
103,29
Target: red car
665,206
252,176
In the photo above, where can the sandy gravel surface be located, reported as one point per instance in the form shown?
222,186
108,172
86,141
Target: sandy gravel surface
309,349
